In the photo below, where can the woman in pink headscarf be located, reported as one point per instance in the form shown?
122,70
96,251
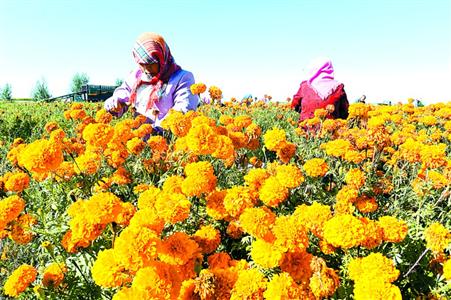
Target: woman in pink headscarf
321,90
157,85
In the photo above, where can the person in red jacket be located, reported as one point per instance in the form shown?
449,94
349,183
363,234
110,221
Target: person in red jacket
321,90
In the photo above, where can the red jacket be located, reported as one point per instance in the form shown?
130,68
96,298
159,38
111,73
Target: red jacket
306,101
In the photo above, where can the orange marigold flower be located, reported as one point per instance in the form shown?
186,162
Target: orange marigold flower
258,222
337,148
41,156
324,281
215,205
255,178
148,197
157,143
87,163
215,92
102,116
282,286
208,238
437,237
374,266
10,208
366,205
20,229
98,135
19,280
297,264
221,260
54,274
237,199
374,234
234,230
198,88
16,182
316,167
178,249
395,230
202,139
136,145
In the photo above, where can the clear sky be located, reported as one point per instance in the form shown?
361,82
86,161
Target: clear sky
385,49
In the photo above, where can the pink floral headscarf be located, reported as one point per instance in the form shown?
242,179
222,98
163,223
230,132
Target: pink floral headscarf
321,77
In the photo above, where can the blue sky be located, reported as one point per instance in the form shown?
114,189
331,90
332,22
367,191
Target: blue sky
384,49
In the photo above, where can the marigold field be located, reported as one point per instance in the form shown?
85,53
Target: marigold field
234,201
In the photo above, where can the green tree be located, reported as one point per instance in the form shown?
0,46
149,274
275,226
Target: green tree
41,91
78,81
119,81
6,92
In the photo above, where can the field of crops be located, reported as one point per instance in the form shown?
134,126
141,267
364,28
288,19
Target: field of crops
231,202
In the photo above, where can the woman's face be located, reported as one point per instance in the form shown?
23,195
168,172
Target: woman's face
150,69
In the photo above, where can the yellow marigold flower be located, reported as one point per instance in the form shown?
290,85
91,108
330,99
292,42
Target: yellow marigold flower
121,176
355,178
172,207
102,116
447,269
358,110
54,274
374,266
107,270
238,139
98,135
10,208
324,281
337,148
16,182
344,231
281,287
237,199
136,145
148,217
77,114
312,217
274,138
428,120
437,237
297,264
255,178
347,194
208,238
202,139
142,187
316,167
200,178
19,280
123,131
155,280
136,247
250,284
72,246
41,156
258,222
375,289
434,156
215,92
366,205
215,205
87,163
178,249
148,197
272,192
395,230
253,130
177,122
20,229
288,235
354,156
289,176
225,119
125,214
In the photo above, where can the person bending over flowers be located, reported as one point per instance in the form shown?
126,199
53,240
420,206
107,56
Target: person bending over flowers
157,85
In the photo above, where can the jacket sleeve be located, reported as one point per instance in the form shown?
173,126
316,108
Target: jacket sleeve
184,100
297,100
118,104
341,103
